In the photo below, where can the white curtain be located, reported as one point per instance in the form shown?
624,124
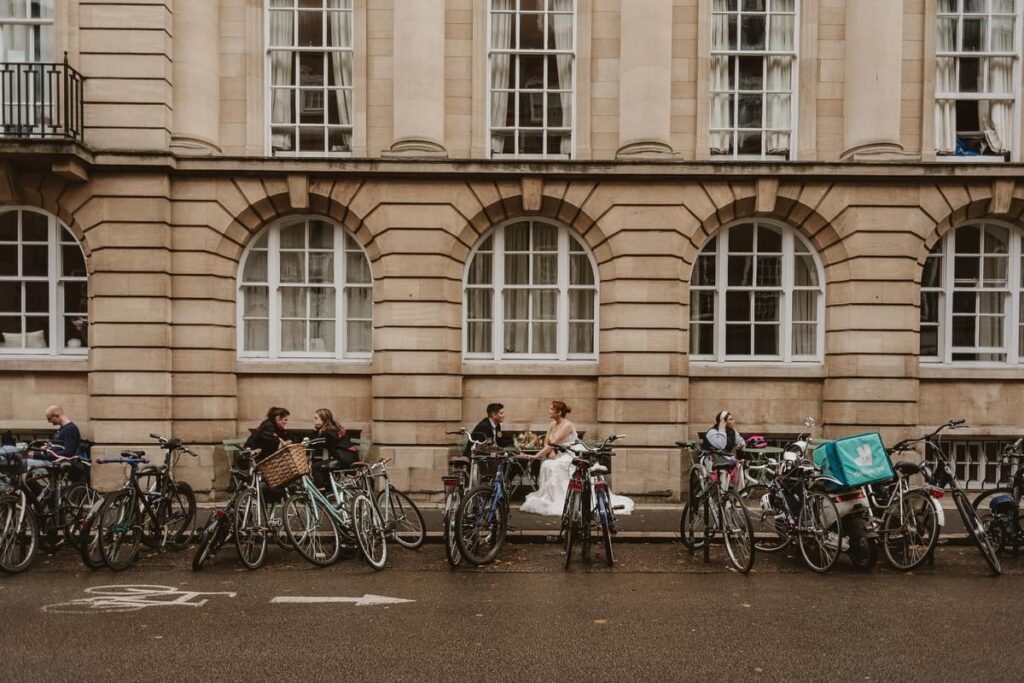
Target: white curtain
997,122
563,24
501,73
945,82
282,64
780,78
805,309
721,102
341,68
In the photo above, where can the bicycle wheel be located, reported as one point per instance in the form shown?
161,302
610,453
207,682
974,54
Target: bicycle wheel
606,528
770,534
481,525
119,530
863,549
586,524
19,535
572,506
910,530
89,537
216,528
692,495
995,525
819,532
177,512
78,500
311,529
369,530
249,530
977,531
276,524
737,532
403,518
451,544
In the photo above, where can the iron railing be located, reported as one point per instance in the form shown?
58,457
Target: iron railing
40,100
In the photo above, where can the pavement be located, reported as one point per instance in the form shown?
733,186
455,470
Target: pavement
659,614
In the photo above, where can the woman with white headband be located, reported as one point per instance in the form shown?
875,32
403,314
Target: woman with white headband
724,438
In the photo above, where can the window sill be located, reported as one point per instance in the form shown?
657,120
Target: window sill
704,369
255,366
970,372
12,363
980,159
539,368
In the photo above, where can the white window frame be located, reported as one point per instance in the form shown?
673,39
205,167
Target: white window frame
1013,316
498,288
1015,54
513,52
787,288
55,280
27,20
324,90
274,286
793,91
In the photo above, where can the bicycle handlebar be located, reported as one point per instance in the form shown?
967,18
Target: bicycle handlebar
125,461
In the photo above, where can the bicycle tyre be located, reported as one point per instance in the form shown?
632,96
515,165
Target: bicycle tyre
369,530
118,520
409,530
997,532
977,531
451,544
586,524
692,496
23,535
205,545
737,532
280,535
693,523
471,530
572,505
769,534
863,549
606,530
89,538
308,527
250,540
78,500
901,543
177,513
827,531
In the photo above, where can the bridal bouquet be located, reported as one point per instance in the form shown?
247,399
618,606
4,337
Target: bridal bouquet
528,441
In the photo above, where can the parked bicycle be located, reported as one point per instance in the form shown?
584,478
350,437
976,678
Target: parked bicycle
482,521
999,509
151,507
711,508
588,501
464,474
937,472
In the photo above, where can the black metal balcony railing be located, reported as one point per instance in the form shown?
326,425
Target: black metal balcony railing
40,100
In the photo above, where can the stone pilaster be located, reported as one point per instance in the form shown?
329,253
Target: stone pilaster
196,77
418,80
645,78
873,90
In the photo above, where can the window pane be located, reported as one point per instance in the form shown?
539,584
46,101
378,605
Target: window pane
9,226
751,71
321,303
517,237
737,340
749,113
545,237
293,302
480,270
321,337
782,33
932,275
517,269
360,302
517,337
997,239
767,306
293,266
580,270
966,269
294,236
581,337
994,271
964,302
930,341
35,227
769,271
970,75
34,260
479,334
359,336
704,270
37,333
804,272
255,303
517,304
766,340
741,271
479,303
10,328
321,267
72,260
75,298
293,335
973,35
255,267
545,269
321,235
769,240
76,331
805,340
805,306
581,304
737,306
963,330
702,306
544,336
545,305
741,239
10,297
702,339
752,32
357,268
929,307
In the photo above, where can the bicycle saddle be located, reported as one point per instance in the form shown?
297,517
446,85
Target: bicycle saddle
133,454
152,469
581,462
907,468
458,460
723,465
333,465
359,463
598,469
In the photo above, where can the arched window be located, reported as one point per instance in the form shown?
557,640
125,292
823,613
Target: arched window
757,294
530,291
305,291
43,286
972,309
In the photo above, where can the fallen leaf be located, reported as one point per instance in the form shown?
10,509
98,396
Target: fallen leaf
745,605
600,621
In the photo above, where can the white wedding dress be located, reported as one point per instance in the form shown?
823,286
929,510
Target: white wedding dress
549,498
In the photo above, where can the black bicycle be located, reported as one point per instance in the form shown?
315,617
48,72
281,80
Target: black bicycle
999,509
151,507
937,472
588,502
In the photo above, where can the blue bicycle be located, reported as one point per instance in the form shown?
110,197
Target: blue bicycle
482,520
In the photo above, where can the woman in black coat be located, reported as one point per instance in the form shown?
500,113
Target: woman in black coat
270,435
337,445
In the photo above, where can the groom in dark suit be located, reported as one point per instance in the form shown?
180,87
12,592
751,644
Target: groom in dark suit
489,427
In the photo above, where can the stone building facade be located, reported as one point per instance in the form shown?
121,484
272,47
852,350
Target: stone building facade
611,156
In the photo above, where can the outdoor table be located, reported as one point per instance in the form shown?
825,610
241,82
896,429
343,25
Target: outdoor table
760,453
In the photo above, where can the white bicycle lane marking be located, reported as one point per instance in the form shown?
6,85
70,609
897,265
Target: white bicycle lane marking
132,598
368,600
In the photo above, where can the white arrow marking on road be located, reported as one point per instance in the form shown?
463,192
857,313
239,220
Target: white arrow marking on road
367,600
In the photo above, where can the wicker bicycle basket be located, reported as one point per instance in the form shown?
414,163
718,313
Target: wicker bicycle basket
282,467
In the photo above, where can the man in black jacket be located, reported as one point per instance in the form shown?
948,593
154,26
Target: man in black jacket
489,427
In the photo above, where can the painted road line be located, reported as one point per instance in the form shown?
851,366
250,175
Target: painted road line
132,598
367,600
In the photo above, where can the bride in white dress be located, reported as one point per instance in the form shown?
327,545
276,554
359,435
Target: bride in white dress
556,470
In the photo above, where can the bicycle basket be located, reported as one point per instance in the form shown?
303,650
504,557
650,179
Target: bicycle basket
282,467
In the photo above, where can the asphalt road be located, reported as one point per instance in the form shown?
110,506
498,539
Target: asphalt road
660,614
